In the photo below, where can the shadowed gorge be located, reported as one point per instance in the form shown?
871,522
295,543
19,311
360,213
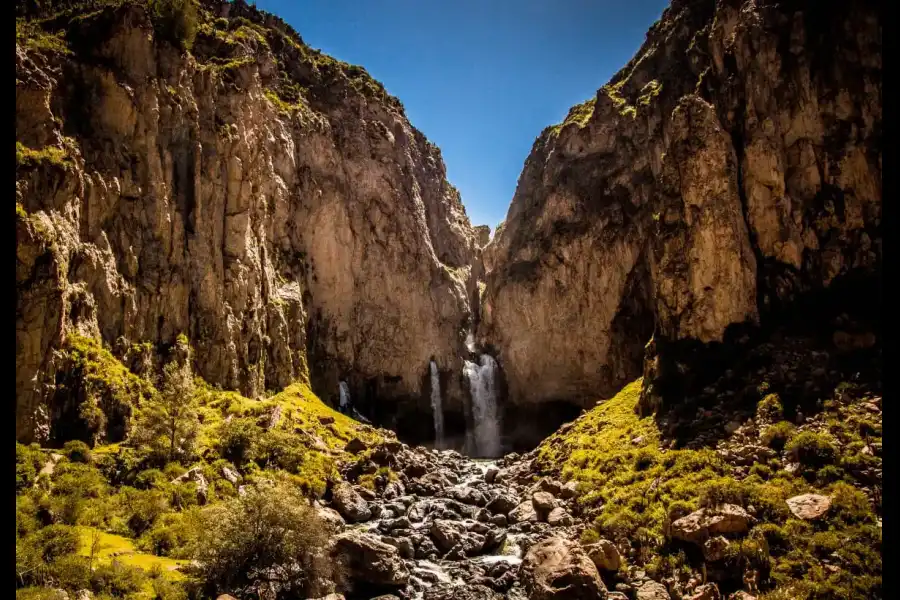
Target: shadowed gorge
262,352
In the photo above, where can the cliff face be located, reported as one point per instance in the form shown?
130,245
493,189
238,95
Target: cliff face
267,201
733,165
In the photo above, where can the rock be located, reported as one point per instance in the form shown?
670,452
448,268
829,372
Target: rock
465,591
543,501
503,503
333,597
326,419
350,504
404,545
708,591
330,516
491,474
86,595
558,517
651,590
523,512
741,595
225,597
700,524
616,596
195,474
367,560
558,569
809,506
605,555
468,495
446,534
569,490
231,475
714,548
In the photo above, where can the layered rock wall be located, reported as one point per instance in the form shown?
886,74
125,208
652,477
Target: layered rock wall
269,202
732,165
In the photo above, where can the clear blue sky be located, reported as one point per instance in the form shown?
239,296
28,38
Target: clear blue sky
480,78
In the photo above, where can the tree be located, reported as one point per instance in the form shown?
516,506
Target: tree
270,537
168,424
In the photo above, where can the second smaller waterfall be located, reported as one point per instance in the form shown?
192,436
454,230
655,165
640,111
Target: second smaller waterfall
344,390
485,414
437,408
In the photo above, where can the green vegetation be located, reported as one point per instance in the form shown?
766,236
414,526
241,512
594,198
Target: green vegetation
641,488
50,155
121,509
649,92
31,36
580,114
176,21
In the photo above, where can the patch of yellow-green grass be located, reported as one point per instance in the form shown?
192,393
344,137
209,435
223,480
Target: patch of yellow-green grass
30,35
282,106
123,550
26,156
637,489
580,113
649,92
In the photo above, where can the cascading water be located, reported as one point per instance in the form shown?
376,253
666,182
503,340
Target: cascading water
344,390
485,416
437,408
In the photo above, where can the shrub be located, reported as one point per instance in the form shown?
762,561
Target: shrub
176,21
777,436
237,440
142,508
270,526
760,470
54,541
770,408
812,449
168,425
644,459
77,451
589,536
28,463
117,580
72,572
41,593
150,478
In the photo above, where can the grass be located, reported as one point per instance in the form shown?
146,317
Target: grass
51,155
31,36
636,489
123,550
580,114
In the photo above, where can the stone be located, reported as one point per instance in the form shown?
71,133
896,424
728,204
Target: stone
85,595
523,512
714,548
605,555
367,560
349,503
559,569
558,517
569,490
446,534
543,501
699,525
503,503
652,590
809,506
195,474
326,419
707,591
225,597
491,474
330,516
230,475
465,591
741,595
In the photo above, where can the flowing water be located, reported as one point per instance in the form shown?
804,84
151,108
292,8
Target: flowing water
344,390
485,416
437,409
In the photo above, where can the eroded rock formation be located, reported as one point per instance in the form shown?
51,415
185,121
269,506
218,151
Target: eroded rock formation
269,202
733,164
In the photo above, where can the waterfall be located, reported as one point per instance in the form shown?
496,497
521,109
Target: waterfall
344,405
437,409
484,405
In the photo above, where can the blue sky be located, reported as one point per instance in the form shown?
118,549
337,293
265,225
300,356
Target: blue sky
480,78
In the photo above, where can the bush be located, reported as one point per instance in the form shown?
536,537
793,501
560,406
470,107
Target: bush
150,478
770,408
54,541
812,449
117,580
270,526
40,593
29,461
777,436
176,21
77,451
142,508
237,440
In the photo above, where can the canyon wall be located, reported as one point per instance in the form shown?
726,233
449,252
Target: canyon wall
732,165
271,203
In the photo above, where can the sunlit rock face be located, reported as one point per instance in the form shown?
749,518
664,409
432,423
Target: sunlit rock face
732,165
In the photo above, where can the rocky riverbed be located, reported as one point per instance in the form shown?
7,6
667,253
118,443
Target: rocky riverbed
447,526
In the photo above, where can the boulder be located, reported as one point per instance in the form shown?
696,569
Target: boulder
503,503
466,591
558,517
355,446
605,555
543,501
330,516
708,591
446,534
230,475
569,490
523,512
559,569
491,474
652,590
714,548
698,526
350,504
196,475
809,506
369,561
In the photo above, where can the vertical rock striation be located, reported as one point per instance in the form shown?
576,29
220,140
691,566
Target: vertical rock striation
732,165
271,203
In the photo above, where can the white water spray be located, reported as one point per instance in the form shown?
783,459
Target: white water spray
437,408
484,405
345,396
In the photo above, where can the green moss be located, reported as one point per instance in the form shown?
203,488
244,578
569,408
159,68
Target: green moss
580,114
778,435
30,35
51,155
812,449
649,92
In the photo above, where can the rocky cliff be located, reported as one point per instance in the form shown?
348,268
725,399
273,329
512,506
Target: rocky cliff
733,166
211,175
